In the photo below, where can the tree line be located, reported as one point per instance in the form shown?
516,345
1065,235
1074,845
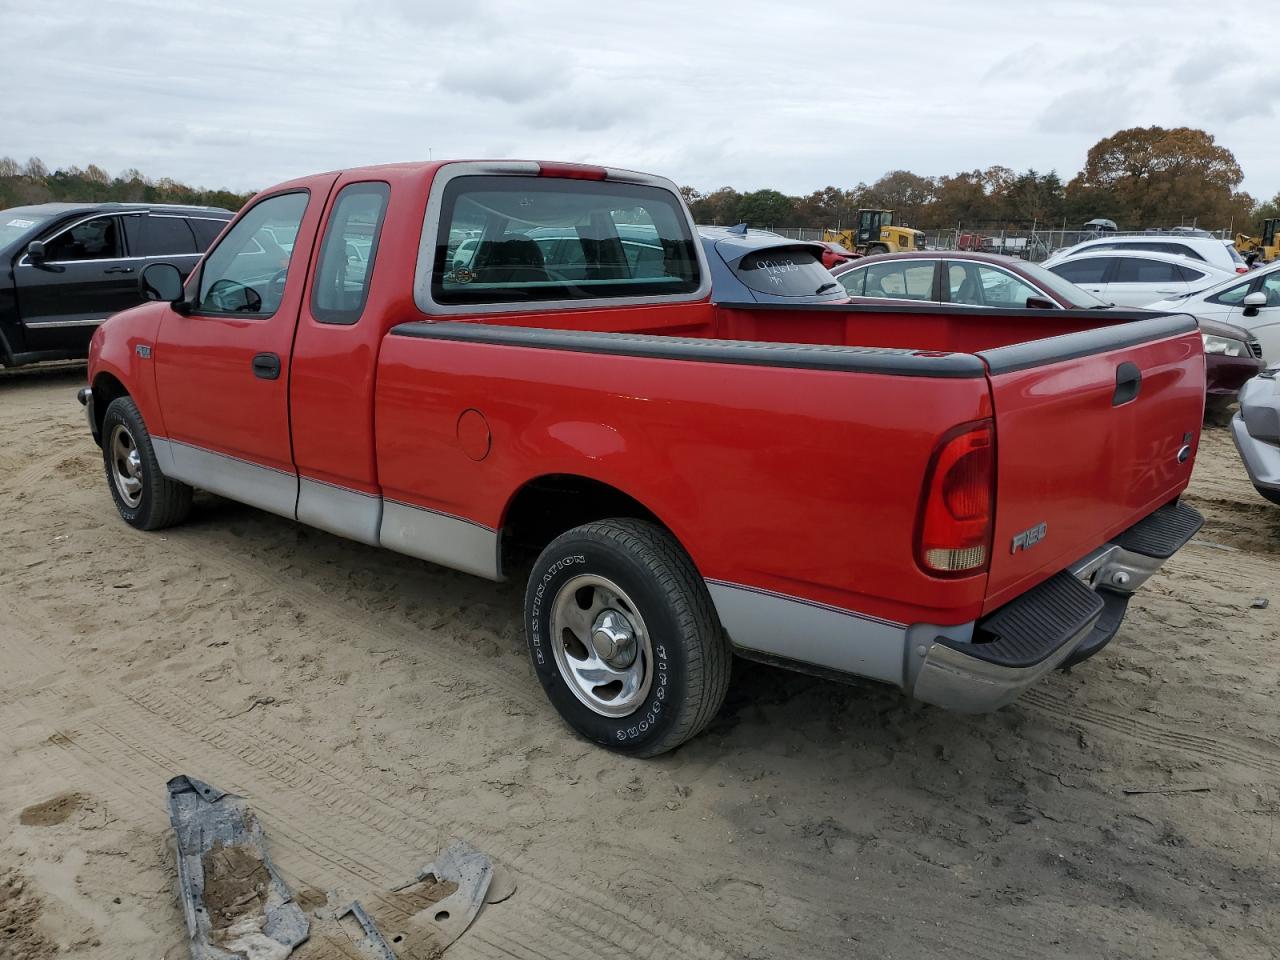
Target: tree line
33,182
1142,177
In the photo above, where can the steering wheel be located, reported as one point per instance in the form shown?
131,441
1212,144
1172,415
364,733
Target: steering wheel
220,292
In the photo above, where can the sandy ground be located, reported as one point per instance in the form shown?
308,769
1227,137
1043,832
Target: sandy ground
370,707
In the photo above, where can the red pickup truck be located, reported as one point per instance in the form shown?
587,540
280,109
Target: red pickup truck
511,367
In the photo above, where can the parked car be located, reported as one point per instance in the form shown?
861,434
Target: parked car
1256,431
1207,248
66,267
1138,278
1251,301
834,254
962,278
992,281
935,504
762,267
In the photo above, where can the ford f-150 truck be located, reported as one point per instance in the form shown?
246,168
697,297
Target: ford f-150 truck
517,367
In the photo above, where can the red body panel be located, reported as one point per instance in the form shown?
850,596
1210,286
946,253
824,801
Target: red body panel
1068,458
333,366
204,364
769,476
113,351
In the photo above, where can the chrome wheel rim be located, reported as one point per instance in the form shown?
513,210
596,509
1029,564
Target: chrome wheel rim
126,465
602,646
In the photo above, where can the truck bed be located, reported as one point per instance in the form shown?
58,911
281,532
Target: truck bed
926,327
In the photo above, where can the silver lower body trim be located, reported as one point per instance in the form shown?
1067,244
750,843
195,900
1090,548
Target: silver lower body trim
810,633
440,538
263,487
339,510
58,324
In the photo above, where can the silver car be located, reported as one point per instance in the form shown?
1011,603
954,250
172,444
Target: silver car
1256,431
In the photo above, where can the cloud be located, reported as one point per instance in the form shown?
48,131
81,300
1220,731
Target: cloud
244,94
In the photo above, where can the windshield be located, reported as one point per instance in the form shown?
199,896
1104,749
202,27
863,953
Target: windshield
1068,291
17,221
786,272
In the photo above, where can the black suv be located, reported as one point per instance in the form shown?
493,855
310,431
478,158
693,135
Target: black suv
66,267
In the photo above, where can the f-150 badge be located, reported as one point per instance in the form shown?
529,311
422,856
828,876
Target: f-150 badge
1030,537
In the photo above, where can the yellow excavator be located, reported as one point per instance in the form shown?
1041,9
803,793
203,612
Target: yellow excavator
1266,247
875,233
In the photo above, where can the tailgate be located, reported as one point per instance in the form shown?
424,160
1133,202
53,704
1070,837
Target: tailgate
1094,430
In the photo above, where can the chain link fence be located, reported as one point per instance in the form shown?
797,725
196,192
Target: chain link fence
1034,243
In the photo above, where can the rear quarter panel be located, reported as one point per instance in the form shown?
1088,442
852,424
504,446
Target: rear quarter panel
803,482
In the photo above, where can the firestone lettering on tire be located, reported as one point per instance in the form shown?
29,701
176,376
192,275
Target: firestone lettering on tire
659,697
536,615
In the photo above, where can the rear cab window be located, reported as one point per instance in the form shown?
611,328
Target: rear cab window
506,241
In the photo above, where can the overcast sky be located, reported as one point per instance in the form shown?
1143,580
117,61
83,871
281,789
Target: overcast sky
752,94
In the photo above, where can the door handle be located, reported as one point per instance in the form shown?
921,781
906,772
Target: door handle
266,366
118,270
1128,382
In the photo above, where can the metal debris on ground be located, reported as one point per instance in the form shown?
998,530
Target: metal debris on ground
370,940
237,906
1259,603
472,872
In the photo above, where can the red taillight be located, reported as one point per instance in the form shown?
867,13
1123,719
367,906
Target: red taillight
953,537
1241,269
572,171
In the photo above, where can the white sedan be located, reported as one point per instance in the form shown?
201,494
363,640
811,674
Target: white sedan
1139,278
1251,301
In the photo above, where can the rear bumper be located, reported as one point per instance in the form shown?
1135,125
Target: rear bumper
1261,457
1066,619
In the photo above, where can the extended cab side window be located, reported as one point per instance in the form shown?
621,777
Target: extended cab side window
246,272
97,239
510,240
347,253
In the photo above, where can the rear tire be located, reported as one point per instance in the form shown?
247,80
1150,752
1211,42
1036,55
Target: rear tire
624,638
876,249
145,497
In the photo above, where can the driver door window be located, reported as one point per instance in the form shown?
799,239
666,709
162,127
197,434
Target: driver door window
246,272
97,239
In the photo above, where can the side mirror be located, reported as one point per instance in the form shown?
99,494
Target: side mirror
161,282
35,251
1040,303
1252,301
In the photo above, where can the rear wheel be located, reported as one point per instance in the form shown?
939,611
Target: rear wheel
876,248
624,638
145,497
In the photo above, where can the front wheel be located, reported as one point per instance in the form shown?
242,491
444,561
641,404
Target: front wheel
624,638
145,497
